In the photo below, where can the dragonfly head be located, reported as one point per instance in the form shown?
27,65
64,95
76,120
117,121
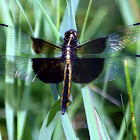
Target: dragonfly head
71,34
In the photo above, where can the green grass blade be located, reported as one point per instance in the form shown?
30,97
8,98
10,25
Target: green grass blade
95,23
21,8
128,82
38,19
68,21
90,114
85,21
9,117
124,114
22,102
58,14
58,131
23,107
56,107
54,91
50,122
9,105
102,128
53,27
68,8
126,11
125,120
69,132
9,111
9,92
128,17
4,11
72,14
21,119
46,132
76,104
0,136
97,123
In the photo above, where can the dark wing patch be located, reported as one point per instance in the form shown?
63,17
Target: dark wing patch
86,70
43,47
98,70
24,42
30,69
111,43
49,70
92,47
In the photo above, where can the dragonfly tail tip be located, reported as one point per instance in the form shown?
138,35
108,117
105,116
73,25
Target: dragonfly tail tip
63,111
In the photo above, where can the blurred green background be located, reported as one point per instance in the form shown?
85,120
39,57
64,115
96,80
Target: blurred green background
30,107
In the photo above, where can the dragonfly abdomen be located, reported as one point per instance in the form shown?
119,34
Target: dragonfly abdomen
65,97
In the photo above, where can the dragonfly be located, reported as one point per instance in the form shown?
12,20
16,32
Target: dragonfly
78,62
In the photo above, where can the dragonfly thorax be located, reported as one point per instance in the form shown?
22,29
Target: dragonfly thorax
70,43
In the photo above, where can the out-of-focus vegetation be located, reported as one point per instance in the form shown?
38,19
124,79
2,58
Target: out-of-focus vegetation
31,102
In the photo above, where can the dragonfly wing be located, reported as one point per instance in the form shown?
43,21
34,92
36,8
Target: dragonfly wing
122,38
111,43
86,70
49,70
45,47
18,67
103,69
114,67
26,43
92,47
31,69
22,38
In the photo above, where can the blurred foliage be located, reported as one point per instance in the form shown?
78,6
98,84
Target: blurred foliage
41,98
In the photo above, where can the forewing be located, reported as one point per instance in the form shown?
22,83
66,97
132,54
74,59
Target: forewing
26,43
92,47
111,43
123,38
44,47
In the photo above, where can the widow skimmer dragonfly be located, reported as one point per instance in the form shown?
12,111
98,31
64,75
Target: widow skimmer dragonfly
79,63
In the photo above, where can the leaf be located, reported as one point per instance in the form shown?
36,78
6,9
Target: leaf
53,112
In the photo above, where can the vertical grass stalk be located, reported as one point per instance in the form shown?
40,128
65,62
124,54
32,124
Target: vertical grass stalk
90,114
9,81
85,21
129,90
